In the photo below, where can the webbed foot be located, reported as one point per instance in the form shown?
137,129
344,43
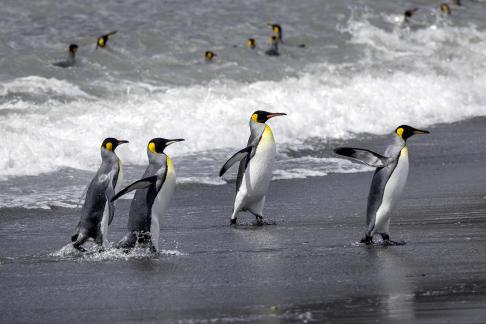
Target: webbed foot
233,222
367,240
388,242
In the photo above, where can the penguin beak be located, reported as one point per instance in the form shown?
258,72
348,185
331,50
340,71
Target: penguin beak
122,142
271,115
172,141
418,131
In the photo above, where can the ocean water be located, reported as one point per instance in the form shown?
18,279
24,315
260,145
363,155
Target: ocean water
362,72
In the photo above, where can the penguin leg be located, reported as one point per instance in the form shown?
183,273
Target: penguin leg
257,210
127,242
387,241
233,218
80,239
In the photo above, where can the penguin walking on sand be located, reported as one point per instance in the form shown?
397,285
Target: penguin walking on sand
71,60
98,209
152,196
255,171
388,181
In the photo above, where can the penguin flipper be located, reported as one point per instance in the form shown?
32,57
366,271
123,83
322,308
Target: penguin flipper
139,184
365,156
238,156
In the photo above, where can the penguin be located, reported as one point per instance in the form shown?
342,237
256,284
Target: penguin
273,50
408,14
388,181
71,60
152,196
255,170
209,56
444,7
277,31
103,39
98,210
251,43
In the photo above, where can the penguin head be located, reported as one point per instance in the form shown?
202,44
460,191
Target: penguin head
209,56
158,145
110,143
251,43
261,116
102,41
73,48
444,7
405,131
410,12
277,29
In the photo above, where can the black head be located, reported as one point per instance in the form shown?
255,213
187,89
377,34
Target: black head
410,12
158,145
73,48
251,43
444,7
209,55
261,116
405,131
111,143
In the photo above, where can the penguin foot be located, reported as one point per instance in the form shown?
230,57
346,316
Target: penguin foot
79,248
233,222
101,249
393,243
259,220
388,242
367,240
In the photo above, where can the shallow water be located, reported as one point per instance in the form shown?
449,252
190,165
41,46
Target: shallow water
361,72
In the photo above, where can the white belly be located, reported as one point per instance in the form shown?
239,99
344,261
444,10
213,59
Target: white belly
161,202
258,173
393,191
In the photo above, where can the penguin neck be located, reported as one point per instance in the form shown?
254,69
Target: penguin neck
156,158
396,146
257,128
108,156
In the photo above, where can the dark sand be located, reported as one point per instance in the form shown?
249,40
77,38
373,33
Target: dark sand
307,268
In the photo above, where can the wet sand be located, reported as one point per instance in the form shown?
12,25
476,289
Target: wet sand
306,268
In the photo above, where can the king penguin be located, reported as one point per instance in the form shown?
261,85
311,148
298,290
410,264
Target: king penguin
255,171
273,50
71,60
388,181
98,210
152,196
103,39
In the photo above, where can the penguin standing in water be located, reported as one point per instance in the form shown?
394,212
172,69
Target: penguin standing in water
152,196
277,30
103,39
251,43
273,50
444,7
255,171
71,60
408,14
388,181
98,209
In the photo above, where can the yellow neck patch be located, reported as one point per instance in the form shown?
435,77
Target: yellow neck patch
151,147
101,42
170,165
254,117
109,146
400,132
276,29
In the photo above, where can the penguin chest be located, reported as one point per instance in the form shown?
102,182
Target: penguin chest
165,193
393,188
258,173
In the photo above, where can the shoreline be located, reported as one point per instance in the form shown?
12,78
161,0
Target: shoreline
306,268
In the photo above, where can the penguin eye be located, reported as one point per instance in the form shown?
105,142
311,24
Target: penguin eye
109,146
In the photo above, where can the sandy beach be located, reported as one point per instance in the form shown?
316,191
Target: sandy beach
306,268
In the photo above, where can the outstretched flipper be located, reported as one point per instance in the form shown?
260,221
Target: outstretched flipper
238,156
140,184
365,156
